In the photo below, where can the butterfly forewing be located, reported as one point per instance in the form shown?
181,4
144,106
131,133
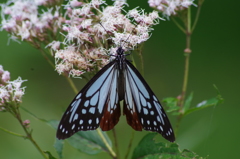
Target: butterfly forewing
98,103
93,105
142,108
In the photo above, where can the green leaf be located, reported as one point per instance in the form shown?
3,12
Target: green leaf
149,149
204,104
58,145
86,141
187,103
50,156
171,104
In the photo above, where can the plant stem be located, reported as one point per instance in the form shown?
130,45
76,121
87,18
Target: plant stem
112,153
130,144
28,133
46,57
73,86
116,142
197,15
12,133
187,52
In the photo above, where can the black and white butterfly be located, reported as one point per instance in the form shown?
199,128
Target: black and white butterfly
98,103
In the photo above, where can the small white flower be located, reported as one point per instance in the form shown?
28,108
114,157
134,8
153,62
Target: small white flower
169,7
5,76
10,91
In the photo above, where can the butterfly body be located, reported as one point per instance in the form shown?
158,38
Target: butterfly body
98,103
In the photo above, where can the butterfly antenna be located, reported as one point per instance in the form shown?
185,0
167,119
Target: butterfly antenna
104,28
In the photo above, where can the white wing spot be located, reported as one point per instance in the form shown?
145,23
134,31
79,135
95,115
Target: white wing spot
90,121
155,98
97,120
84,111
73,103
66,132
63,130
86,104
149,105
92,110
79,95
73,126
170,130
152,112
75,117
81,122
155,123
161,128
60,126
148,122
142,120
145,111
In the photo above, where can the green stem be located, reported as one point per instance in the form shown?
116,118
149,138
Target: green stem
73,86
28,134
197,14
112,153
46,57
116,142
130,145
178,25
12,133
187,52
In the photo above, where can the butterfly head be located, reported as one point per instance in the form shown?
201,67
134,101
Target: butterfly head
120,51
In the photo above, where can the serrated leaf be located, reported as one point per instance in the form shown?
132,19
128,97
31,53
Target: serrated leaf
86,141
149,149
58,145
187,103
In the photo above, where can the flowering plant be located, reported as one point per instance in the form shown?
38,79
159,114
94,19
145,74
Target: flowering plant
77,39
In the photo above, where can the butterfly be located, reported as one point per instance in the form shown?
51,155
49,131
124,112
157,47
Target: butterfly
98,103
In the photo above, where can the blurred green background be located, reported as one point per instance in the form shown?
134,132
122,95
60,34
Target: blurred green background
215,57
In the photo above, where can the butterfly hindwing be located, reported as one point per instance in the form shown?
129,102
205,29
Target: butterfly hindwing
112,105
142,108
96,104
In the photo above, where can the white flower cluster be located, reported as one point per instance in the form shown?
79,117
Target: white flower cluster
22,19
170,7
10,91
92,30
